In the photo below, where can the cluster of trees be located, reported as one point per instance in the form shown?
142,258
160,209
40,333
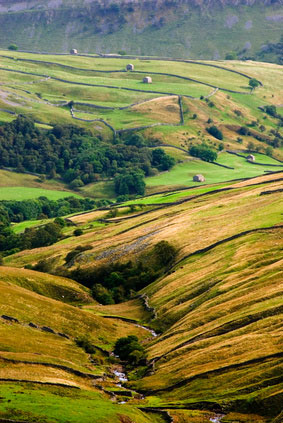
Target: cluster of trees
203,152
74,154
43,208
41,236
116,282
129,349
130,182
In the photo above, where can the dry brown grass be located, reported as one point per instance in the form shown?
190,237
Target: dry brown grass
56,287
88,217
164,109
28,306
132,309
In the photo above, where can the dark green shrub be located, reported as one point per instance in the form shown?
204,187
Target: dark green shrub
84,342
60,222
215,132
78,232
271,110
102,294
165,253
203,153
13,47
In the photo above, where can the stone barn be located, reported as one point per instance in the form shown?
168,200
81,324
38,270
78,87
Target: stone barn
199,178
73,51
251,158
147,80
130,67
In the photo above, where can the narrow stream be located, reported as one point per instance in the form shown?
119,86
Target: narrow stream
217,418
121,376
153,333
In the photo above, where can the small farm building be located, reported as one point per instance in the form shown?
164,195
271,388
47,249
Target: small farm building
199,178
130,67
251,158
147,80
74,51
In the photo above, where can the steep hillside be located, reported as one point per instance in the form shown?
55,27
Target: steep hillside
217,310
190,28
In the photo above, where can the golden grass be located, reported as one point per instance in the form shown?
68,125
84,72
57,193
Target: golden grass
132,309
163,109
20,342
36,372
27,307
224,305
56,287
88,217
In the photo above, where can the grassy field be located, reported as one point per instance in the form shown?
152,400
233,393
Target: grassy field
24,193
65,406
182,173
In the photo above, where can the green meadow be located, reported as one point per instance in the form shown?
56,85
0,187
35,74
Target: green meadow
182,174
25,193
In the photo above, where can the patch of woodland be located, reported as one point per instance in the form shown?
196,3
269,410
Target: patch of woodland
77,157
118,281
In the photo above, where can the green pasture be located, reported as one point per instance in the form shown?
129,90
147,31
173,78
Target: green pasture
55,91
29,402
182,174
262,158
214,76
173,196
22,226
24,193
27,94
163,84
120,119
